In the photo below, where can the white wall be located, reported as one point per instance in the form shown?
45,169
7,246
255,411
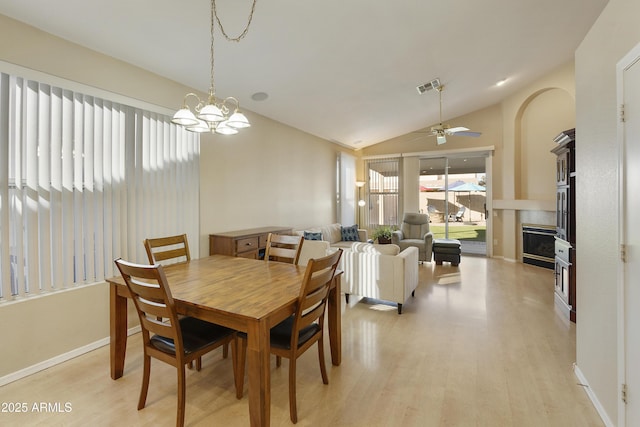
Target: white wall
616,32
268,174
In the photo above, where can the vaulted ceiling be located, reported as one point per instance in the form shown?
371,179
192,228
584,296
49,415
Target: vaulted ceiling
343,70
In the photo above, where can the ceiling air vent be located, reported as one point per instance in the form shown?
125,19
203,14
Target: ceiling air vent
433,84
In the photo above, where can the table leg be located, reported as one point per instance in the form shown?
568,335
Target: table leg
259,373
335,322
118,331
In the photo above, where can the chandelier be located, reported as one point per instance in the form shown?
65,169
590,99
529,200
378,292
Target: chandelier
219,116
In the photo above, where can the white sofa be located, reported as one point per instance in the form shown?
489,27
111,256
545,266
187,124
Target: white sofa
331,238
380,272
370,270
332,233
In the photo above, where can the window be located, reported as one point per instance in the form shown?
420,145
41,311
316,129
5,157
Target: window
384,190
83,181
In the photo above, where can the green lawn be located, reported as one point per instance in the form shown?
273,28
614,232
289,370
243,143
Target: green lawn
461,232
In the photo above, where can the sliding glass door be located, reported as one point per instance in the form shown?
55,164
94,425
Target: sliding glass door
453,191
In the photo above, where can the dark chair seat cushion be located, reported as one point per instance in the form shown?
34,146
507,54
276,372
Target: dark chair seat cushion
281,333
196,334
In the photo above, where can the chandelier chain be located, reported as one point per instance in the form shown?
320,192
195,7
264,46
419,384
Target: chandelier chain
246,28
215,18
212,86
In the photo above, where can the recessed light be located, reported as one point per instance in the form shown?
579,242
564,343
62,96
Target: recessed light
260,96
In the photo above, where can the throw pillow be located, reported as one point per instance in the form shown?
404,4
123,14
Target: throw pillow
308,235
350,234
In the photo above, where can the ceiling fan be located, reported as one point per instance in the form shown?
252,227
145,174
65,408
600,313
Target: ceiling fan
442,130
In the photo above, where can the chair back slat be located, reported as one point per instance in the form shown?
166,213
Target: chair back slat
283,248
152,298
170,248
312,300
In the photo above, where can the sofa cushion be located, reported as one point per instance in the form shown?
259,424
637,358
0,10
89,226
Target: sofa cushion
312,235
332,233
372,248
349,234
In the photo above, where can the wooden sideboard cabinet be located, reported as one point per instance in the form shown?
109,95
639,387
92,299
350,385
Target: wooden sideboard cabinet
243,243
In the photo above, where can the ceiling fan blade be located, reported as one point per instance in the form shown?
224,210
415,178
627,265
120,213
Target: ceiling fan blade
457,129
468,133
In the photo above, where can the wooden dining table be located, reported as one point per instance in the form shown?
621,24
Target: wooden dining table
243,294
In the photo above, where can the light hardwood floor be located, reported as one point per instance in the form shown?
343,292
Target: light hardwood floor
479,345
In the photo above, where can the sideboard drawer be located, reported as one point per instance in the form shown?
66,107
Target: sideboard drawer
248,244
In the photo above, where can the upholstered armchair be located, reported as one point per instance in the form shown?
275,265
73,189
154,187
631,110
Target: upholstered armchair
414,231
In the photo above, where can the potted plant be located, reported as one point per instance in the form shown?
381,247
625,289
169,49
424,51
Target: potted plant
382,234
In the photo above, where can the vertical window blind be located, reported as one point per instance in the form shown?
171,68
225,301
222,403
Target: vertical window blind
83,181
383,187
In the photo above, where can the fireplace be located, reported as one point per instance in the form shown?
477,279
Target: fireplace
538,245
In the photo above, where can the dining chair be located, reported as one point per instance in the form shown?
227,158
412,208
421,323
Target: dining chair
168,249
283,248
296,334
176,341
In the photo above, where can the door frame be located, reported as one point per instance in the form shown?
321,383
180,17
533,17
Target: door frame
630,59
486,152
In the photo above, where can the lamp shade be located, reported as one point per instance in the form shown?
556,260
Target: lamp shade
238,121
184,117
211,113
199,127
224,129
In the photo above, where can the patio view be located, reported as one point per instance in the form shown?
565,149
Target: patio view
456,208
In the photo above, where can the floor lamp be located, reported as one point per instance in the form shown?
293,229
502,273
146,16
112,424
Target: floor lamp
361,203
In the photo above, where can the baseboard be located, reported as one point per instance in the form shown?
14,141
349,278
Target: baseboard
14,376
561,306
582,381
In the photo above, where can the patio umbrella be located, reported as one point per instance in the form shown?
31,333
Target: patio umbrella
468,187
452,185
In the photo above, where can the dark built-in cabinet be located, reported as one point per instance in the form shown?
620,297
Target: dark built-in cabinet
565,239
